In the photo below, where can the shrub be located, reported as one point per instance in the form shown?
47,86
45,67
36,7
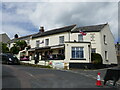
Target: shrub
96,58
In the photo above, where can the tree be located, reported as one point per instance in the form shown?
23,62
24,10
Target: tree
21,44
15,49
5,49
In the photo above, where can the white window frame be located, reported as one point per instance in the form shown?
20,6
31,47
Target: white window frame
46,42
61,39
80,49
93,49
80,38
105,40
37,43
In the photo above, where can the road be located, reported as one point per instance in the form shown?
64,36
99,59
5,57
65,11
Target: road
19,76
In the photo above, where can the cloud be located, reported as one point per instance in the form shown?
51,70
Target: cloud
54,14
60,1
12,30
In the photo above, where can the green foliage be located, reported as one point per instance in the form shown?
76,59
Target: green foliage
15,49
21,44
5,49
18,46
96,58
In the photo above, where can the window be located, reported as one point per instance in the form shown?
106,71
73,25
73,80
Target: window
9,45
61,51
106,55
104,39
77,52
28,41
93,50
37,43
61,39
46,42
80,37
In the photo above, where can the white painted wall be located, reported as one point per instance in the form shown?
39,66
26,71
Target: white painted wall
110,47
87,38
53,39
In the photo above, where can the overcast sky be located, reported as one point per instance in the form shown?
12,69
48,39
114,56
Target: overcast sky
24,18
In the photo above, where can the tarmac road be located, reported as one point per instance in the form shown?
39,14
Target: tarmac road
19,76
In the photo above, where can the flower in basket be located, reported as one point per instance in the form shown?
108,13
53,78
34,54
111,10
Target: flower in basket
50,63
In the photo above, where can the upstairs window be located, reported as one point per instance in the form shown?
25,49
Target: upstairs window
61,39
46,42
28,41
105,42
80,37
106,55
37,43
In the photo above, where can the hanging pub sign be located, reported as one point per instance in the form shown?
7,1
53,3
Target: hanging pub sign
92,36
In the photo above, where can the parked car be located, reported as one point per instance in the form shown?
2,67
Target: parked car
9,59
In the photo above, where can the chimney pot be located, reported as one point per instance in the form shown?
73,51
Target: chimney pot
41,29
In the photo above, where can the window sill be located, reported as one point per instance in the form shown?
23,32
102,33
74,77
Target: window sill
77,59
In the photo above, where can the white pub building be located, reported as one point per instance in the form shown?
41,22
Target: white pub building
73,45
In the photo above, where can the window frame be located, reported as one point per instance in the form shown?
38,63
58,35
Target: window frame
46,42
28,42
77,52
104,38
93,49
106,55
61,39
37,43
80,39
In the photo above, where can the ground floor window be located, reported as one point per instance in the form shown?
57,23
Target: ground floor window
77,52
50,55
93,50
106,55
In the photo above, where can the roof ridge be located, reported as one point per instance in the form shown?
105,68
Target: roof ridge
23,36
93,25
61,27
56,30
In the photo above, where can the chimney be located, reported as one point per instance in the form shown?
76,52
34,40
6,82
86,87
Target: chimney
41,29
16,36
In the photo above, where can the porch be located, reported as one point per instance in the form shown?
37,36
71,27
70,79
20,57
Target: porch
48,53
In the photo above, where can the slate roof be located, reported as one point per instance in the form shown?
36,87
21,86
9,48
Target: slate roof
92,28
54,31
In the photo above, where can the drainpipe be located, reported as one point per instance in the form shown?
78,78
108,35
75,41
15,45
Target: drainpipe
89,53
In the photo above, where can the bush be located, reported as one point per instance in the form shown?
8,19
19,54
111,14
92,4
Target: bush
14,49
96,58
5,49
